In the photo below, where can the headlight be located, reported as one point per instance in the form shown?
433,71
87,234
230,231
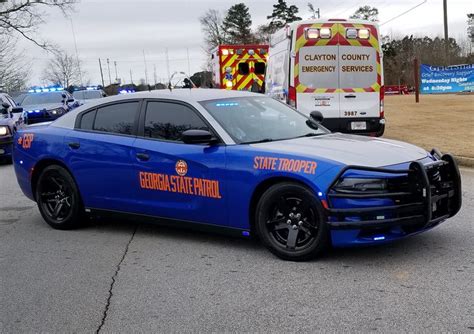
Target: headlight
359,184
57,111
4,130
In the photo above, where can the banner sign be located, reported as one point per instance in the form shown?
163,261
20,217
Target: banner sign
447,79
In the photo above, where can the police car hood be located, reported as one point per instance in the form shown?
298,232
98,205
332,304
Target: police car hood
45,106
348,149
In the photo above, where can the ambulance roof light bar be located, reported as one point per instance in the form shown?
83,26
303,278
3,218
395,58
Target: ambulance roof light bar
315,33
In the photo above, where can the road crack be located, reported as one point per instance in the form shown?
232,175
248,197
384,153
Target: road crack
114,278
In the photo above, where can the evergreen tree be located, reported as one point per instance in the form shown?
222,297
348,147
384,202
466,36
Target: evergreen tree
281,15
237,25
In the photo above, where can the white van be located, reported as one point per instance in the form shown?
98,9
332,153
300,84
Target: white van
334,66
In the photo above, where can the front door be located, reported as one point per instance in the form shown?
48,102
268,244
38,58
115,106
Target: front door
174,179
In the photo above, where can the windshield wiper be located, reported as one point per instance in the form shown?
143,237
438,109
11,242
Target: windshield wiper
266,140
310,134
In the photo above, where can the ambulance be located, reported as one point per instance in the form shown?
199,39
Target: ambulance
239,67
333,66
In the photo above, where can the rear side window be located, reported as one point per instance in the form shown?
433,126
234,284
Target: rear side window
167,121
87,120
244,68
259,68
117,118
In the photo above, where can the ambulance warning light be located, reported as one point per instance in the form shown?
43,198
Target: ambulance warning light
225,52
325,32
364,33
312,33
229,84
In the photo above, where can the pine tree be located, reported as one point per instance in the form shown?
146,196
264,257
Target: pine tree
282,14
237,25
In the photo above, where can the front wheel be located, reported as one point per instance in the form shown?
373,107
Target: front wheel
290,222
58,198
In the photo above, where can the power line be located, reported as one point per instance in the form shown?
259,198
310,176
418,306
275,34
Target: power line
409,10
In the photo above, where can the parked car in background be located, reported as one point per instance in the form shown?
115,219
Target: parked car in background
88,94
10,121
47,104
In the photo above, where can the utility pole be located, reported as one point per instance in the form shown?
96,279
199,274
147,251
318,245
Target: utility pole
167,63
318,12
101,73
116,75
146,69
446,37
417,85
108,66
131,77
189,63
154,74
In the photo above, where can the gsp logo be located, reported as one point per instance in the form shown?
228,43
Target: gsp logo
181,167
26,140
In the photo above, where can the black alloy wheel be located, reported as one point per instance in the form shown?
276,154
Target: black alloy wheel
58,198
291,223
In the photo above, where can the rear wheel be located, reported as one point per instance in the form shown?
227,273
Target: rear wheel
290,222
58,198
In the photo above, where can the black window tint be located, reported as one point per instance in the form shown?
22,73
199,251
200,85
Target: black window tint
87,120
244,68
259,68
168,121
117,118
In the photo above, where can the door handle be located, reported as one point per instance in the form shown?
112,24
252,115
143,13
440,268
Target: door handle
143,156
350,96
74,146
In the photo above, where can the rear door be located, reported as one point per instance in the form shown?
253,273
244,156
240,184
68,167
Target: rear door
100,155
173,179
315,69
359,72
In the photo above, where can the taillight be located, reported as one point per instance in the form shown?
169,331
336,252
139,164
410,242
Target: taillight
382,95
292,97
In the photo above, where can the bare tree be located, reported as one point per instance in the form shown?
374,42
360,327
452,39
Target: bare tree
22,17
14,70
366,13
211,26
63,70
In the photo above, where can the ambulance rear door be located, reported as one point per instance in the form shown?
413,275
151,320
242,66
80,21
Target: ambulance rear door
316,77
359,73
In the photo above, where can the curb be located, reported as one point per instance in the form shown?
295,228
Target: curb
464,161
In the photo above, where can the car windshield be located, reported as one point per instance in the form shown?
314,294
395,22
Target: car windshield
260,119
42,98
87,94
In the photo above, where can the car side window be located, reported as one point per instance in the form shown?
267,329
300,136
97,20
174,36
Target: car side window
168,120
117,118
87,120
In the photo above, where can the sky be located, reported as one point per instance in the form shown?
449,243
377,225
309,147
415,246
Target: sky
134,32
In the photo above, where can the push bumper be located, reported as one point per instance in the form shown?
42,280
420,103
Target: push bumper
426,195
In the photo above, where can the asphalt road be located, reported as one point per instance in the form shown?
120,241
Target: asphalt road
130,277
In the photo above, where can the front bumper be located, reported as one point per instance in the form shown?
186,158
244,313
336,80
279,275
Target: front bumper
426,195
6,146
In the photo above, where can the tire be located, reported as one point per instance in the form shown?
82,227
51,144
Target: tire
58,198
291,222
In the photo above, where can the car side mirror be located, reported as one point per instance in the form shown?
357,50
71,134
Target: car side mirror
63,96
104,95
198,137
317,116
17,110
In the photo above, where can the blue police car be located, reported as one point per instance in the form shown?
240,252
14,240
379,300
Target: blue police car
237,162
46,104
10,121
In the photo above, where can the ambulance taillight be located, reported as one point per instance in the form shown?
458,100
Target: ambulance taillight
382,96
292,96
